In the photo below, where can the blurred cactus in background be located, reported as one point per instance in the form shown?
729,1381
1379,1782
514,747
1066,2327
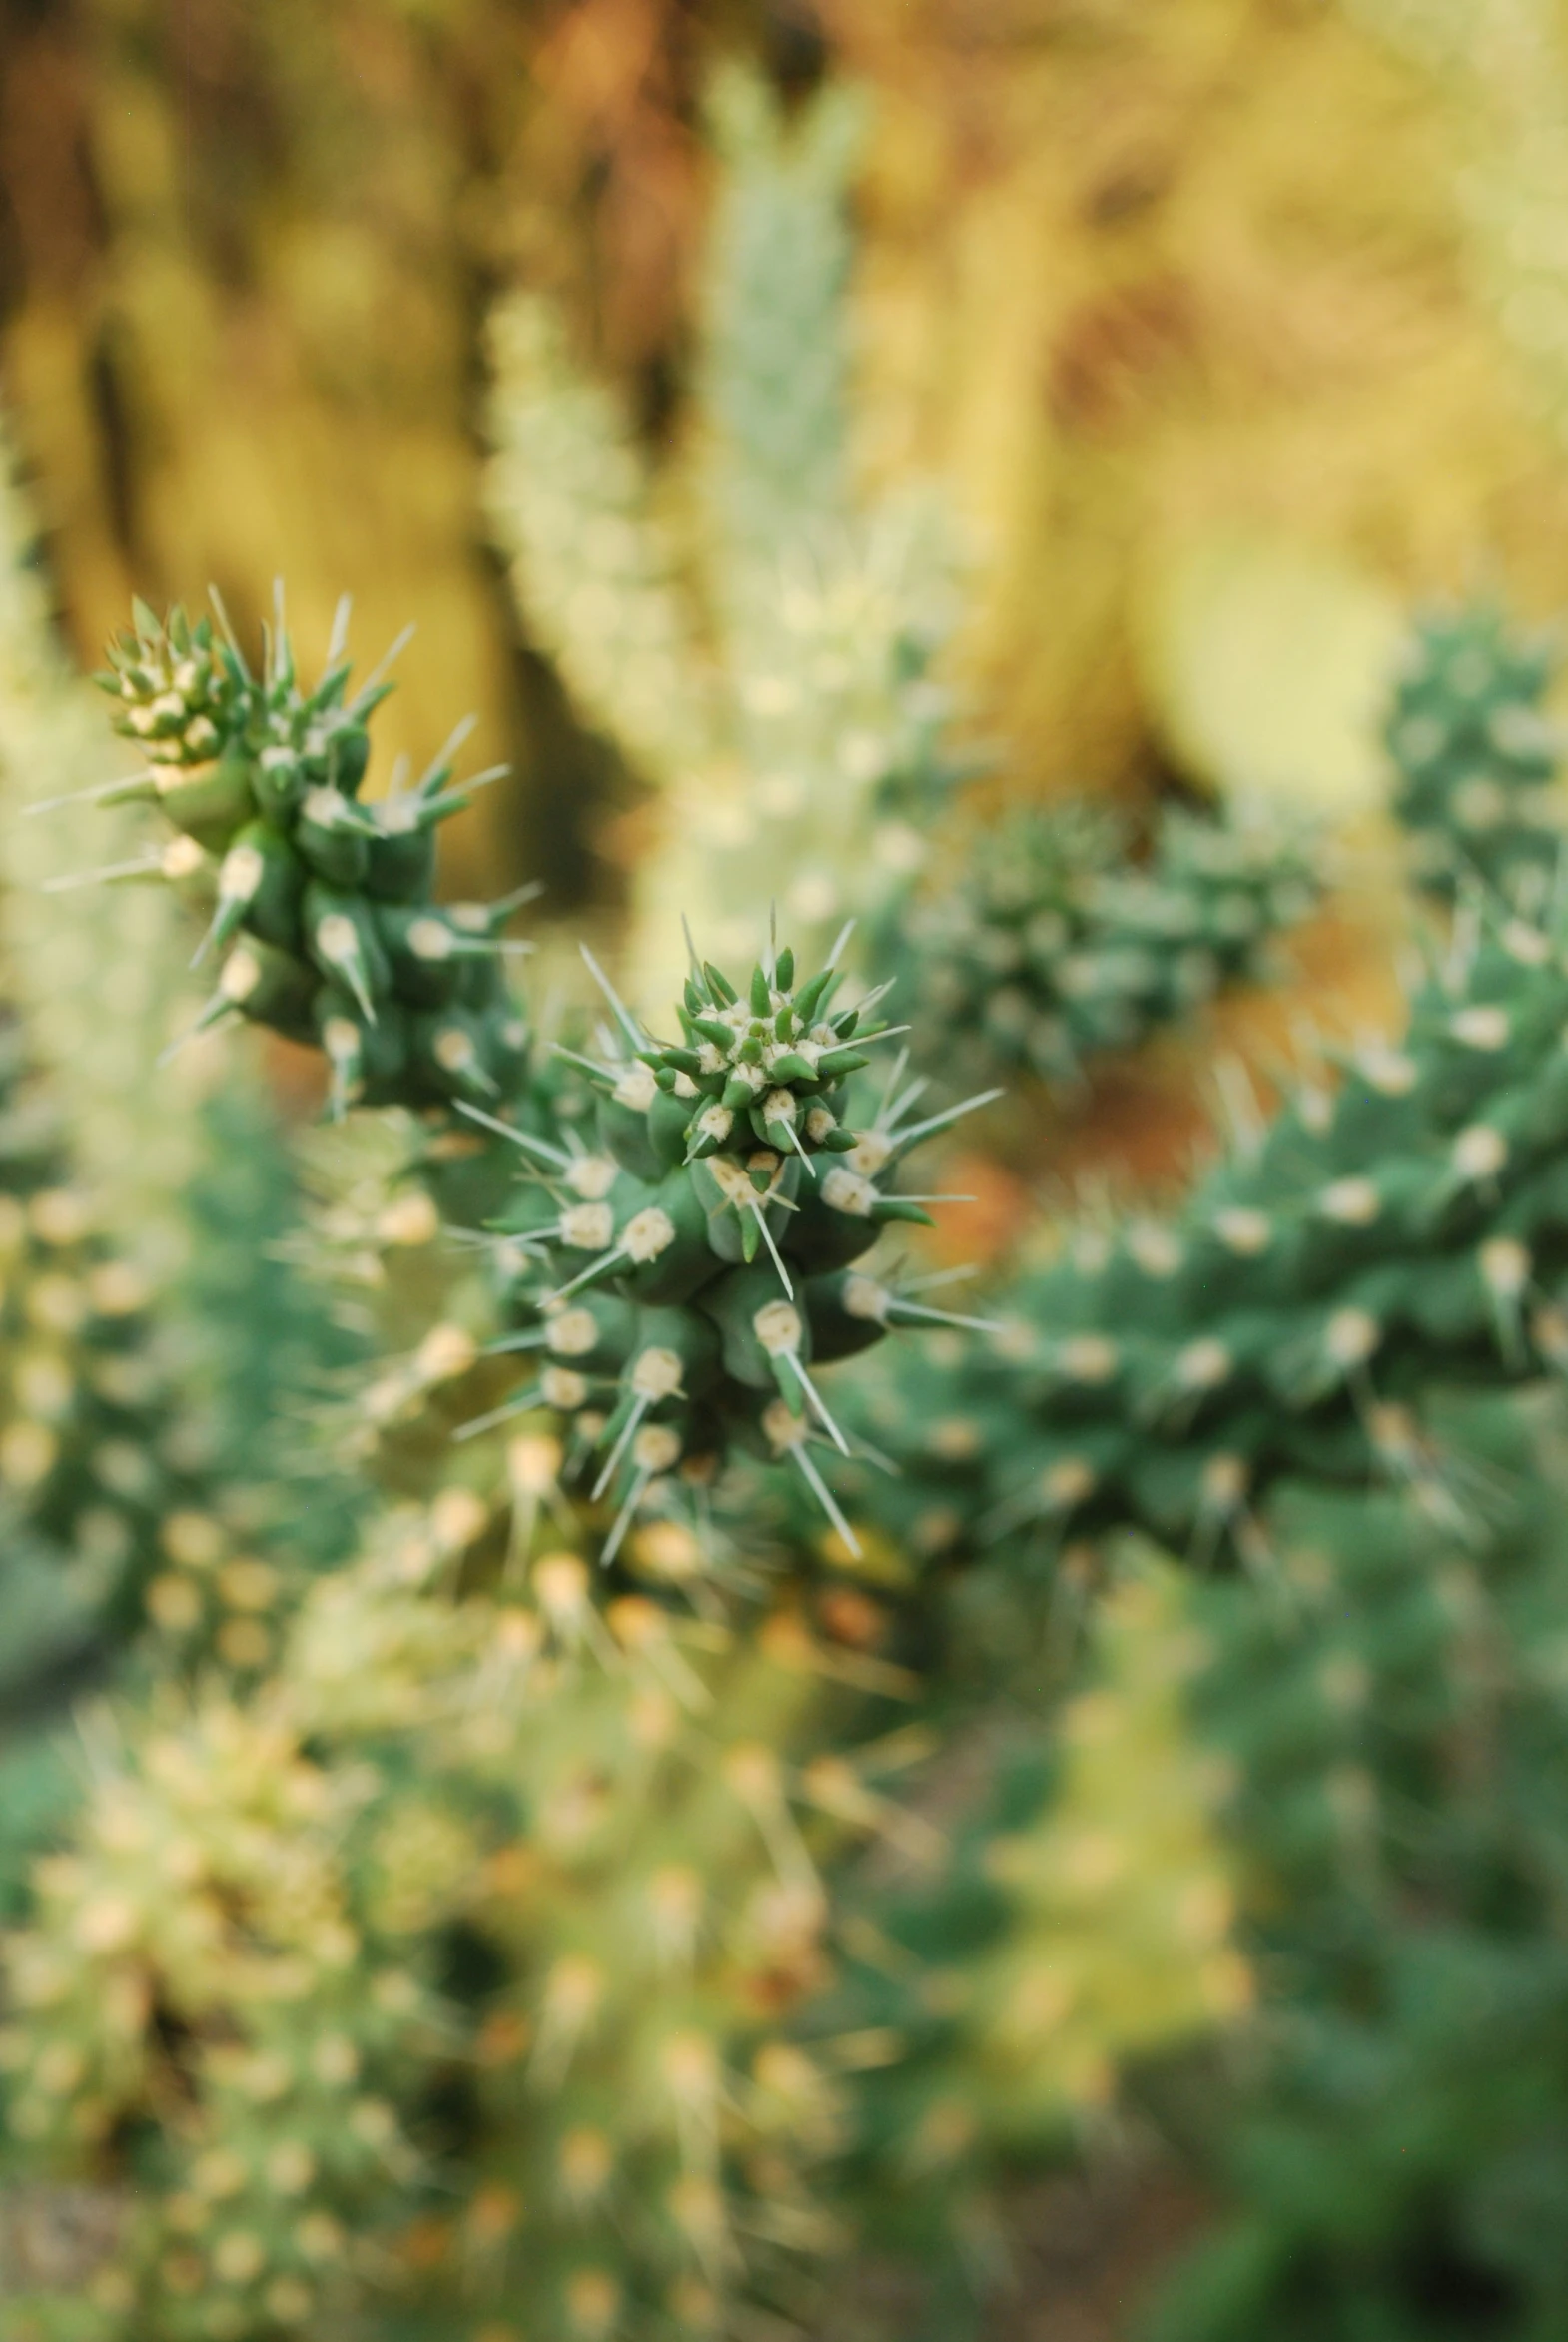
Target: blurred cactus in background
1050,944
1476,757
791,719
785,714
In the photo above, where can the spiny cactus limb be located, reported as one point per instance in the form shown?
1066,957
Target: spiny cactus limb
1389,1719
1475,755
1405,1231
1052,947
679,1281
593,574
323,906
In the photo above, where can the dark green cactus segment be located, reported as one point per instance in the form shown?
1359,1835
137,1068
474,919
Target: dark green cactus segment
1408,1229
1475,754
1398,2133
323,906
1054,946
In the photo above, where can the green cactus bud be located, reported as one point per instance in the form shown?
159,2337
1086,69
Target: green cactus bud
259,886
333,836
340,937
268,987
207,802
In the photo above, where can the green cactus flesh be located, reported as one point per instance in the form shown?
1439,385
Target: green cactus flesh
1407,1226
1390,1718
1475,755
322,907
1054,946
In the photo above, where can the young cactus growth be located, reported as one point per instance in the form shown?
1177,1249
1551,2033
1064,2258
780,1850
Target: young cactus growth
1054,946
321,908
1475,755
682,1279
1408,1227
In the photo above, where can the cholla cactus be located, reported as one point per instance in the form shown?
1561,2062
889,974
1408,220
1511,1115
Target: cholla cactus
1392,1727
592,565
786,712
679,1274
681,1280
1078,1916
1475,755
1286,1321
792,716
91,1460
200,1969
1052,946
641,2094
323,906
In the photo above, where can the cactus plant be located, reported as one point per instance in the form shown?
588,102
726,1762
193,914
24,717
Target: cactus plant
817,743
1052,946
678,1274
323,908
787,713
1390,1721
1475,755
1373,1237
89,1451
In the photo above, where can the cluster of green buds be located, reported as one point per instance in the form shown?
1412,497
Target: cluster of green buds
321,906
1054,946
1475,754
682,1275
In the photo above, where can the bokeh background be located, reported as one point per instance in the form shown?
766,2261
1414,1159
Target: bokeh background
1228,326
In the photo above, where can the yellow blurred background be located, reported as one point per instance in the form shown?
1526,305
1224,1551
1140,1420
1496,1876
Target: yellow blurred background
1229,325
